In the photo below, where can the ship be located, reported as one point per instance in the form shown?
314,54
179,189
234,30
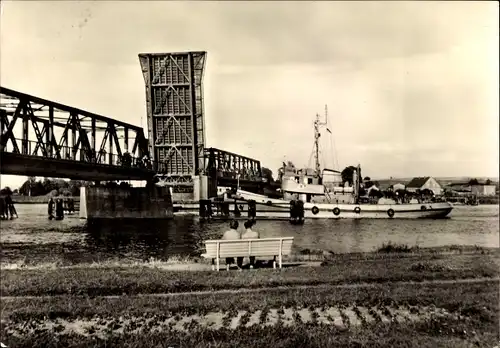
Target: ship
324,194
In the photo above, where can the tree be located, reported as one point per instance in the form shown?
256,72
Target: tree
267,174
6,191
368,184
427,192
347,174
401,193
473,182
51,186
389,194
375,193
367,178
488,182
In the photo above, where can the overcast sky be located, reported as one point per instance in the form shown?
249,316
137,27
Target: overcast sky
412,87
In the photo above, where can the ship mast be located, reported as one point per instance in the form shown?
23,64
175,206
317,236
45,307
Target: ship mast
317,124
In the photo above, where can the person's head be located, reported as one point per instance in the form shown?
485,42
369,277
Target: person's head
234,225
248,224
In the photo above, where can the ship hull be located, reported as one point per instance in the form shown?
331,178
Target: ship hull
266,207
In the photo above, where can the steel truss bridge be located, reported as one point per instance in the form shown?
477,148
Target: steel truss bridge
44,138
230,169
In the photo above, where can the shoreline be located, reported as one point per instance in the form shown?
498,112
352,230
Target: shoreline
306,257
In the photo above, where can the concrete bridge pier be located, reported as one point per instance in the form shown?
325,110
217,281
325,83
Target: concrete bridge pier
200,187
151,202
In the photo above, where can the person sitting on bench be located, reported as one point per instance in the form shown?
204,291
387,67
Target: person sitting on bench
250,234
233,234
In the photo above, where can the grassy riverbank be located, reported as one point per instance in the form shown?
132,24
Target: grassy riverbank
412,298
96,281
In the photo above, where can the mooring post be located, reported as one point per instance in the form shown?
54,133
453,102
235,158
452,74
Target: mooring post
252,211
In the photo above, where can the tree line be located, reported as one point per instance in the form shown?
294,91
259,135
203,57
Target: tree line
33,187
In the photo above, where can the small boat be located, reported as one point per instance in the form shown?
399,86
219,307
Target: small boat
326,195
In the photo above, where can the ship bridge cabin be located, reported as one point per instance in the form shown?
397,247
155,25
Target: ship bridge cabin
305,176
306,185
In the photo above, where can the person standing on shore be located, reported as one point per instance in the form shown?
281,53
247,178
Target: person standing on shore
10,207
51,208
3,208
233,234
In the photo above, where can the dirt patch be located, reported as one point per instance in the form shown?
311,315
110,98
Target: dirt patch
340,317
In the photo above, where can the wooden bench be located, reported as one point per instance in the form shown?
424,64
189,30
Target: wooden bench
275,247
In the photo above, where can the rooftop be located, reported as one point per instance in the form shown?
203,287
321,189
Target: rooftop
418,182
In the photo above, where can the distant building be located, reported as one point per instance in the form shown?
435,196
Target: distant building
483,190
398,186
422,183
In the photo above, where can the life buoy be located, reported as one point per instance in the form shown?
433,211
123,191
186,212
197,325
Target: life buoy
390,212
315,210
357,210
423,207
336,211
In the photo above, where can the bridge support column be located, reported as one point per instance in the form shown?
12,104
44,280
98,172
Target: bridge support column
200,187
125,203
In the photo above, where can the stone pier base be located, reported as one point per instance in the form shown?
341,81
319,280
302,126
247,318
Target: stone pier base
125,203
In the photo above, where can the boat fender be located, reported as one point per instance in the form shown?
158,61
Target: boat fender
336,211
423,207
315,210
357,210
390,212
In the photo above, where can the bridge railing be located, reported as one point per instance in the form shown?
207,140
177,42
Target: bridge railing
68,153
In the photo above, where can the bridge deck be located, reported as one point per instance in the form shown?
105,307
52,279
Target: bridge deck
18,164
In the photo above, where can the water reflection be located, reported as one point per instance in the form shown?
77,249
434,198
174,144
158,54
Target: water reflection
145,239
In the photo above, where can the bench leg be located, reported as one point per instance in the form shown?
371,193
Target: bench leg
274,262
218,264
213,265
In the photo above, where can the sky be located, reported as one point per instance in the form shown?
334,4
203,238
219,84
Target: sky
411,87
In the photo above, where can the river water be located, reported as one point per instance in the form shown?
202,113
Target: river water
33,238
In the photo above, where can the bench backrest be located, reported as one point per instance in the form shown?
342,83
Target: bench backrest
249,247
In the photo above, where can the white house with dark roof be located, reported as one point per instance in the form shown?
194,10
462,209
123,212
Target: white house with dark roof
422,183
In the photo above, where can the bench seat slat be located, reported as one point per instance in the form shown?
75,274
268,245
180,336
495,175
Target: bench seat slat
240,247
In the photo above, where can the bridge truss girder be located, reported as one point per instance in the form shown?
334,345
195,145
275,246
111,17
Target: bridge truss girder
174,99
56,131
224,164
